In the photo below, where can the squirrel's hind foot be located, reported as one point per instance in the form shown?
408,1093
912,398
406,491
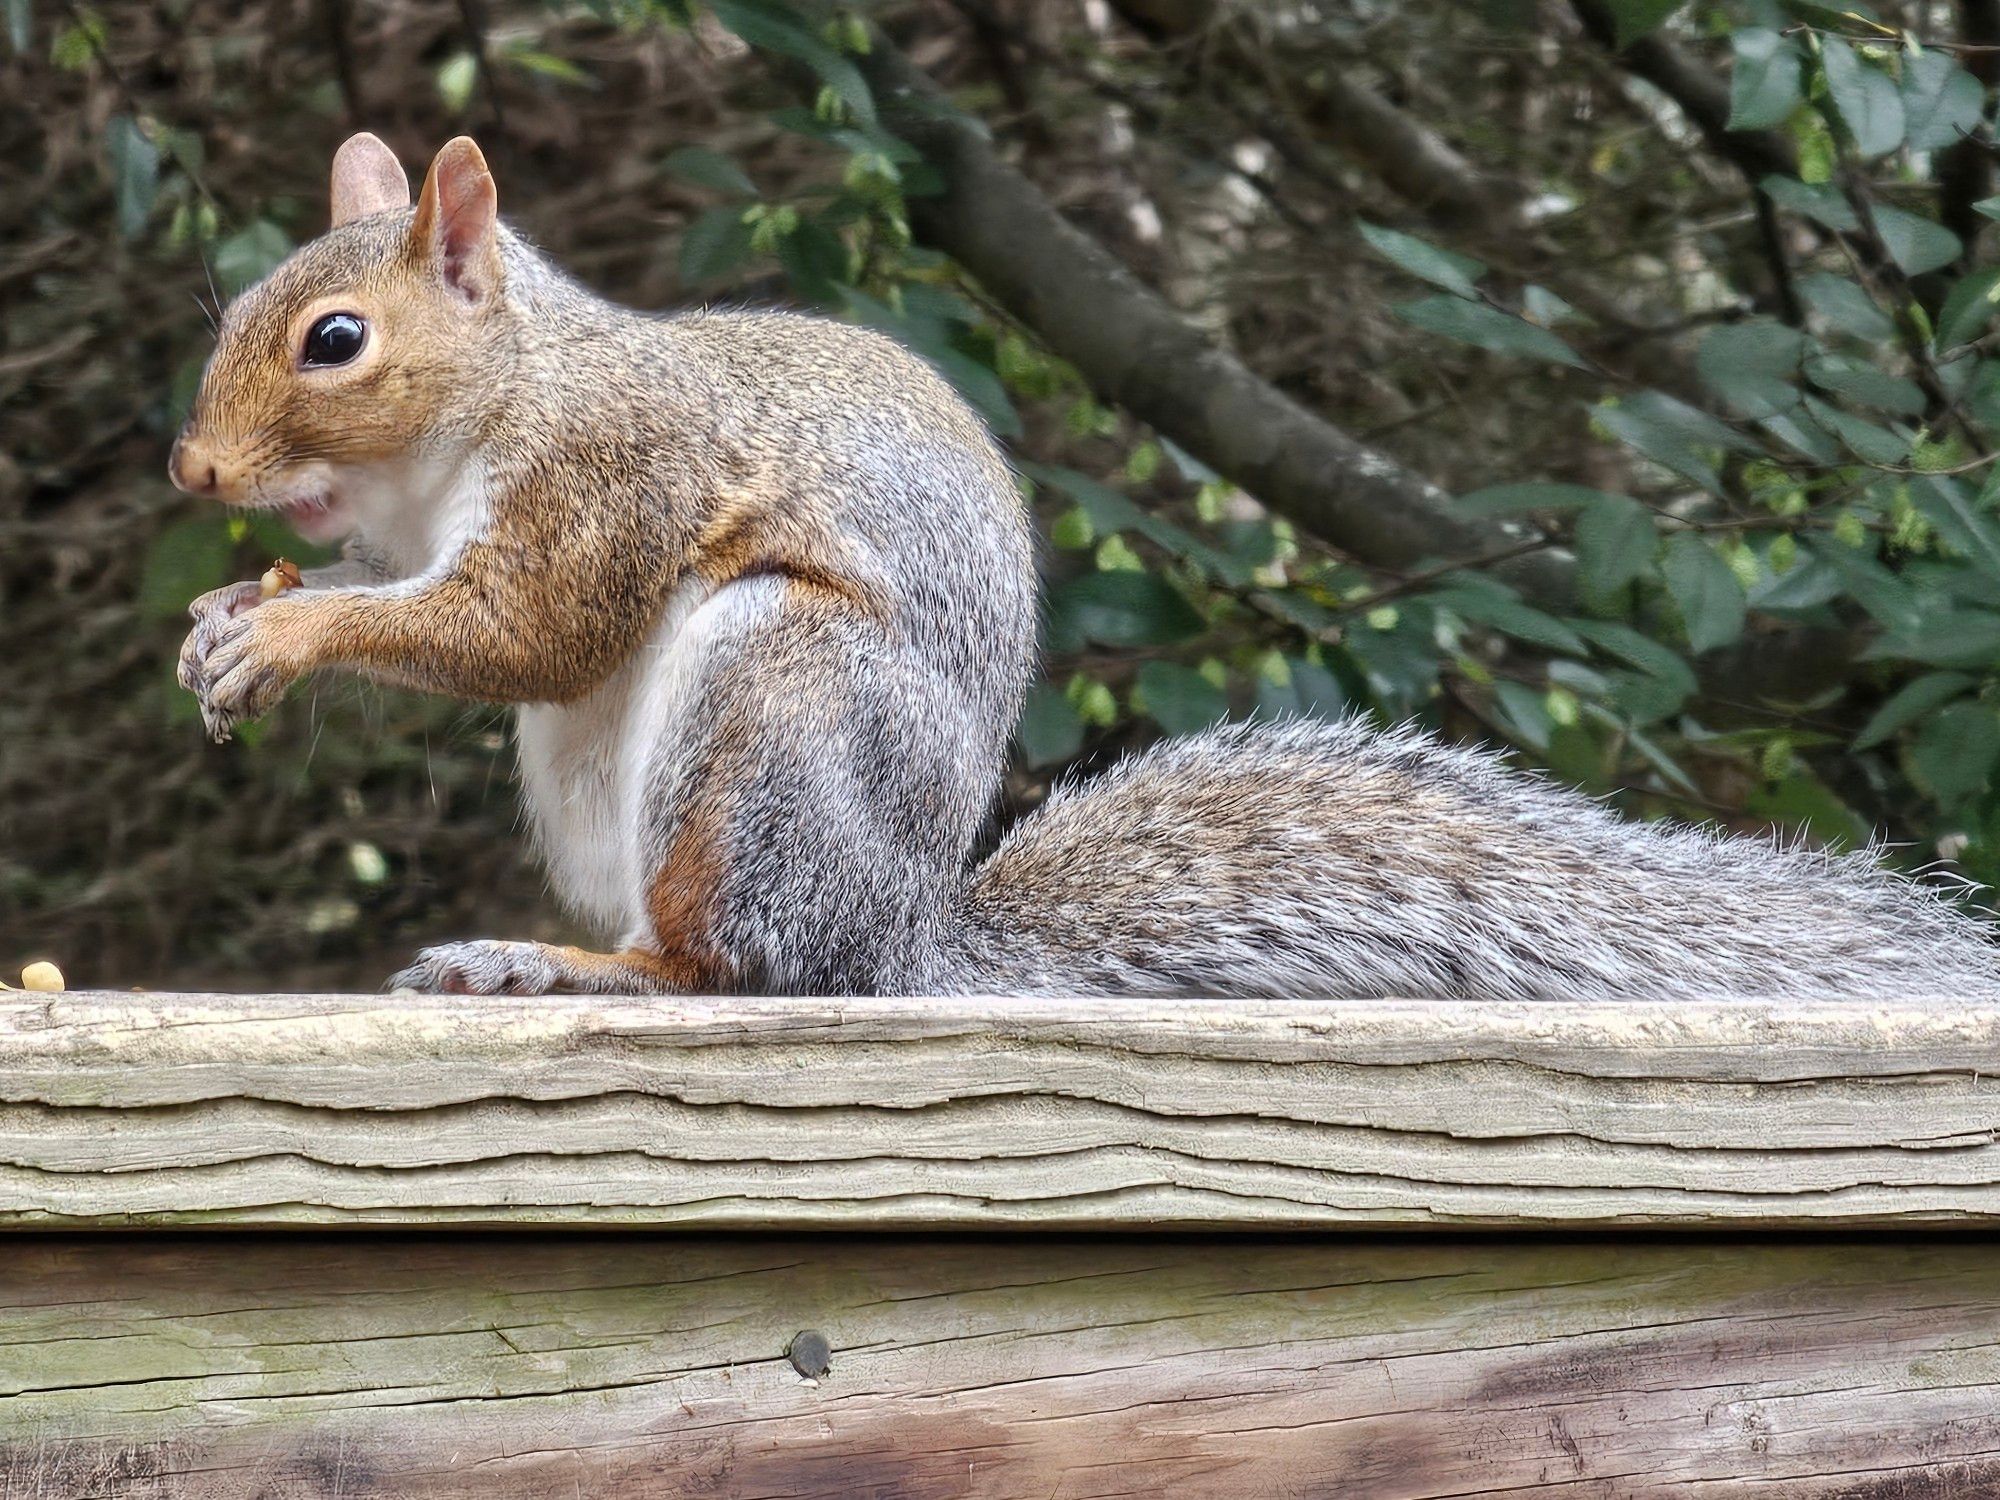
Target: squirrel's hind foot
491,966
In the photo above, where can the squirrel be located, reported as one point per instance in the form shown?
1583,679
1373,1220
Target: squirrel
762,590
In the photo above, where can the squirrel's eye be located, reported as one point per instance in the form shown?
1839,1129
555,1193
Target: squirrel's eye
335,339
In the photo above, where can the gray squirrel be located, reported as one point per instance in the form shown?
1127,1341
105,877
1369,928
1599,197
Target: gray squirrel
763,590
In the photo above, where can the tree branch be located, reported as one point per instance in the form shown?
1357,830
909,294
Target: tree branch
1136,350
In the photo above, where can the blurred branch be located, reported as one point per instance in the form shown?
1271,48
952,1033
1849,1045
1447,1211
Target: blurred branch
473,12
1136,350
340,37
1965,171
1477,209
1701,96
1411,160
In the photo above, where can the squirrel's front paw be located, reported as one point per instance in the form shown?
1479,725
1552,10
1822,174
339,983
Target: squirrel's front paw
243,672
484,967
210,613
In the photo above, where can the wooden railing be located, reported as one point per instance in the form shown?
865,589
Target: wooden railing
1572,1350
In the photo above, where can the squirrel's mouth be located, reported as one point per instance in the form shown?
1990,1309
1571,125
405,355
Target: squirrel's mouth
316,517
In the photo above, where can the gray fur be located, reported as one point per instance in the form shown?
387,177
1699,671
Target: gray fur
1336,859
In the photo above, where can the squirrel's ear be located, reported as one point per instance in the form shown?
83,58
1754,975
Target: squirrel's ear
457,225
367,179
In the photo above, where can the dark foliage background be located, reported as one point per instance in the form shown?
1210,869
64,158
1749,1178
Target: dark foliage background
1612,381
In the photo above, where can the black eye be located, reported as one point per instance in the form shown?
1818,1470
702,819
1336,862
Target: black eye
335,339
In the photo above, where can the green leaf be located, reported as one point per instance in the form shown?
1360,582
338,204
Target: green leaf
1707,591
1946,638
1319,692
1525,712
1632,19
1884,595
1455,273
1988,206
20,32
714,245
1803,800
1110,511
1825,205
1641,651
1846,307
1515,499
1486,328
1671,433
815,262
1910,703
1122,609
709,169
135,172
548,65
1875,444
1915,244
1941,101
1968,308
1866,384
1615,542
1954,752
1752,366
250,255
1540,305
1866,98
771,27
1050,731
1764,88
1483,602
455,81
1970,533
1179,699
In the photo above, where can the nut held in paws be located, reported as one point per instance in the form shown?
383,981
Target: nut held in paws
281,575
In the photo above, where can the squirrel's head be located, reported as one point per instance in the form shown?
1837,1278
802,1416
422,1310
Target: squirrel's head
372,344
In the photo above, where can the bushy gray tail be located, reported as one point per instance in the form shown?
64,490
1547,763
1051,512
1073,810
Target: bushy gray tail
1315,859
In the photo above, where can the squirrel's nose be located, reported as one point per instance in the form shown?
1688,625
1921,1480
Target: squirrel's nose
190,474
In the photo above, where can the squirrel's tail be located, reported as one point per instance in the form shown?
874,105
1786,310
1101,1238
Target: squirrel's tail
1313,859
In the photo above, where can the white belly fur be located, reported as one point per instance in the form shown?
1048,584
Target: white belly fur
586,765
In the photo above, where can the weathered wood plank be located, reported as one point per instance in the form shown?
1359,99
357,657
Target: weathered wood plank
290,1110
1398,1368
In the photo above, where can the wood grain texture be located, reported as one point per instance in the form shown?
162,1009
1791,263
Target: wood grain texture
1365,1368
301,1110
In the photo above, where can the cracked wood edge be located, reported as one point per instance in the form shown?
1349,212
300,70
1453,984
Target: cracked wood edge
746,1113
1386,1368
